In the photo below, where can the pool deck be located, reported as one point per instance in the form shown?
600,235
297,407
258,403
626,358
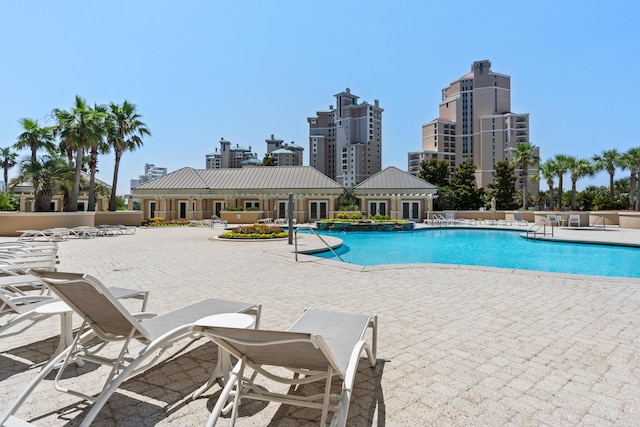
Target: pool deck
457,345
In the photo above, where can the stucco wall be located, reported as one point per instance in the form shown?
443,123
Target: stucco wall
131,218
629,220
12,221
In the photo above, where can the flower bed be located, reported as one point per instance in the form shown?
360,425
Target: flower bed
255,231
161,222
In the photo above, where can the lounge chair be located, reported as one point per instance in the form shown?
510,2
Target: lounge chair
517,218
283,221
450,218
554,219
14,267
215,219
106,321
23,307
84,232
573,219
319,346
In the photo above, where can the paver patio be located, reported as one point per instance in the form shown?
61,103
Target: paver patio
456,345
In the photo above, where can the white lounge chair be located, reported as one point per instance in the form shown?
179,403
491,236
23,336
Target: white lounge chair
319,346
22,307
517,218
450,218
84,232
573,219
106,321
554,219
215,219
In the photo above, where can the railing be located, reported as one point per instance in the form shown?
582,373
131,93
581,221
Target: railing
603,222
314,231
541,224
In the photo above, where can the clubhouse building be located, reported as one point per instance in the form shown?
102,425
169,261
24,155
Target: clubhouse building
250,194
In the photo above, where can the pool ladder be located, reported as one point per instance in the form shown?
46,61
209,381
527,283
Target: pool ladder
314,231
603,222
541,224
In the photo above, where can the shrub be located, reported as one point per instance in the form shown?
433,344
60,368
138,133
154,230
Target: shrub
255,231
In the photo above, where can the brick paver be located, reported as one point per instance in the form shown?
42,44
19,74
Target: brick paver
457,345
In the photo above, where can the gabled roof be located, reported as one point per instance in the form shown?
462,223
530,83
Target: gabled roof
256,178
393,178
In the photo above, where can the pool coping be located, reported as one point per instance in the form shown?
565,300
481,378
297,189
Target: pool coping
503,270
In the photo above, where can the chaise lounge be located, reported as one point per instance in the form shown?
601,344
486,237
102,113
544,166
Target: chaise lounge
319,346
107,323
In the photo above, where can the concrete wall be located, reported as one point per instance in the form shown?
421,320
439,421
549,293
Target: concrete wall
629,219
132,218
12,221
241,217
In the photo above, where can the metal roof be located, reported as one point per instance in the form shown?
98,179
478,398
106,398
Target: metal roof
255,178
393,178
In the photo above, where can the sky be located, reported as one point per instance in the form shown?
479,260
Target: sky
203,70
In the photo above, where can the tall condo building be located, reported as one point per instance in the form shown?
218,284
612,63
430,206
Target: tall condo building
284,154
230,156
345,142
151,171
475,122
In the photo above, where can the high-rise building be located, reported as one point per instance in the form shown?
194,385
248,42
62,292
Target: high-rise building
151,171
229,156
475,121
345,142
284,154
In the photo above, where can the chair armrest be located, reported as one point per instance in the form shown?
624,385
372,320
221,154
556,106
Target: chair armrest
144,315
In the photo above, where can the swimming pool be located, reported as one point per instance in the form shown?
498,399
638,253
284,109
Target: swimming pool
491,248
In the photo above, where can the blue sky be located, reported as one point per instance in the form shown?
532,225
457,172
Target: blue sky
202,70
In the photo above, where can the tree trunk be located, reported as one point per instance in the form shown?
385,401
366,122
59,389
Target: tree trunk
611,185
93,163
43,201
560,192
116,168
632,189
550,184
573,195
525,202
72,204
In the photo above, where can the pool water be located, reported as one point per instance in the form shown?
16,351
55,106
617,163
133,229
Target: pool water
491,248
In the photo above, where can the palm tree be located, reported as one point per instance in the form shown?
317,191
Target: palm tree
48,175
34,137
608,160
562,166
548,170
578,168
8,160
631,161
524,156
125,131
79,129
98,146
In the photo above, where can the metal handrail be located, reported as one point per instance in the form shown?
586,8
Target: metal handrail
541,223
603,222
314,231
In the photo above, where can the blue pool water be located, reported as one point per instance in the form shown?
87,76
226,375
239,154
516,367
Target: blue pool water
491,248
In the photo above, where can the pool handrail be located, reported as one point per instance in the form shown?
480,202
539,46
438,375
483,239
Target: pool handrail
541,223
603,222
314,231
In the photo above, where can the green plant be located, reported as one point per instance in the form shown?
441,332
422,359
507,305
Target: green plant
379,217
255,231
348,208
7,203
